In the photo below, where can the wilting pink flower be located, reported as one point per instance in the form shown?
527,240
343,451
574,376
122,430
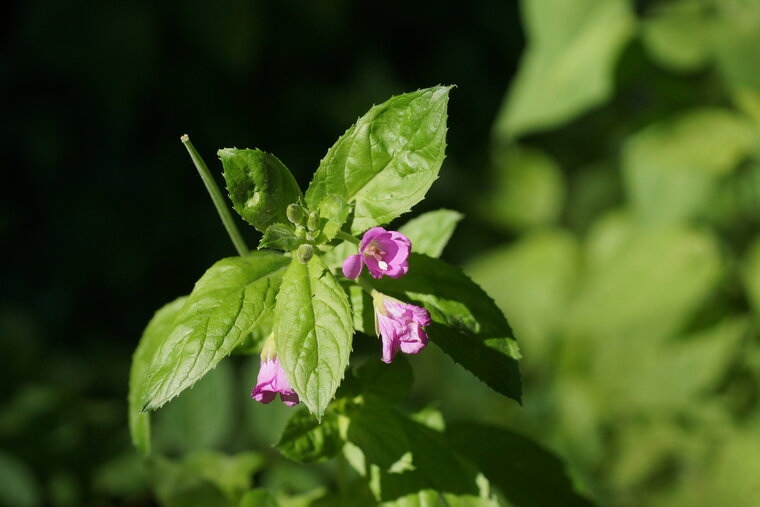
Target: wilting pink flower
399,325
272,380
384,253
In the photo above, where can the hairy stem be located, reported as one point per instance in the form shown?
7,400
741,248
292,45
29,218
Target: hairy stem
217,197
364,284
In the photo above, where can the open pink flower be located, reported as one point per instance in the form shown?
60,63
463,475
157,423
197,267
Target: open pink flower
272,380
384,253
399,325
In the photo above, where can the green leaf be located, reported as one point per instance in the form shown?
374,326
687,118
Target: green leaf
199,418
526,474
258,498
18,485
260,186
307,441
333,212
568,66
752,275
204,479
431,231
467,324
392,382
158,328
229,301
281,237
734,42
313,330
404,460
676,35
671,167
385,163
528,189
534,279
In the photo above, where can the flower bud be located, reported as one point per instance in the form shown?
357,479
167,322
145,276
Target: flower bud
311,236
300,232
295,213
304,253
313,221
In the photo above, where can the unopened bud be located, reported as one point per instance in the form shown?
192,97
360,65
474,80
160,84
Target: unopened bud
313,221
300,232
304,253
295,213
311,236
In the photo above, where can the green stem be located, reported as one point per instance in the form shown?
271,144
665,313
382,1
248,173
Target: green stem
347,237
364,284
217,197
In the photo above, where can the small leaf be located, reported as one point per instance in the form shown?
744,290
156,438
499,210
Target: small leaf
313,330
385,163
258,498
333,212
468,325
158,328
229,301
431,231
569,62
260,186
526,474
307,441
281,237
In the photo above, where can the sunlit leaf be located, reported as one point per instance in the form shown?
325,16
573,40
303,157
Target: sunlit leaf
227,303
569,62
313,329
431,231
385,163
676,34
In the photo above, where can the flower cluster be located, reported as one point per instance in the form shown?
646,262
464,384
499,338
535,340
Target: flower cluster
400,325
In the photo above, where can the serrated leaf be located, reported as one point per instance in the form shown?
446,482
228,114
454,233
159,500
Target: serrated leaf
568,65
313,330
280,237
307,441
259,185
227,303
671,167
158,328
467,324
526,474
431,231
385,163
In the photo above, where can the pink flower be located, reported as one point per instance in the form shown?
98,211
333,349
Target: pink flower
272,380
384,253
400,325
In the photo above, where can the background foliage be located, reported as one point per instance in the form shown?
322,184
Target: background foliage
611,191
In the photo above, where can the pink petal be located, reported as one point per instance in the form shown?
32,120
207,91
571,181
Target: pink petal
371,235
352,266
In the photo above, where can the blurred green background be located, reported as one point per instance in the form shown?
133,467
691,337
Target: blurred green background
606,155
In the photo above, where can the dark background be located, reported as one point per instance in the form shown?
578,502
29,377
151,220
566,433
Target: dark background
102,215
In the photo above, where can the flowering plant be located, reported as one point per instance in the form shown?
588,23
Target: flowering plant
302,295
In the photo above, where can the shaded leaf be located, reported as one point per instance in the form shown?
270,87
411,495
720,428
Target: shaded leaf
259,185
467,324
157,330
307,441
